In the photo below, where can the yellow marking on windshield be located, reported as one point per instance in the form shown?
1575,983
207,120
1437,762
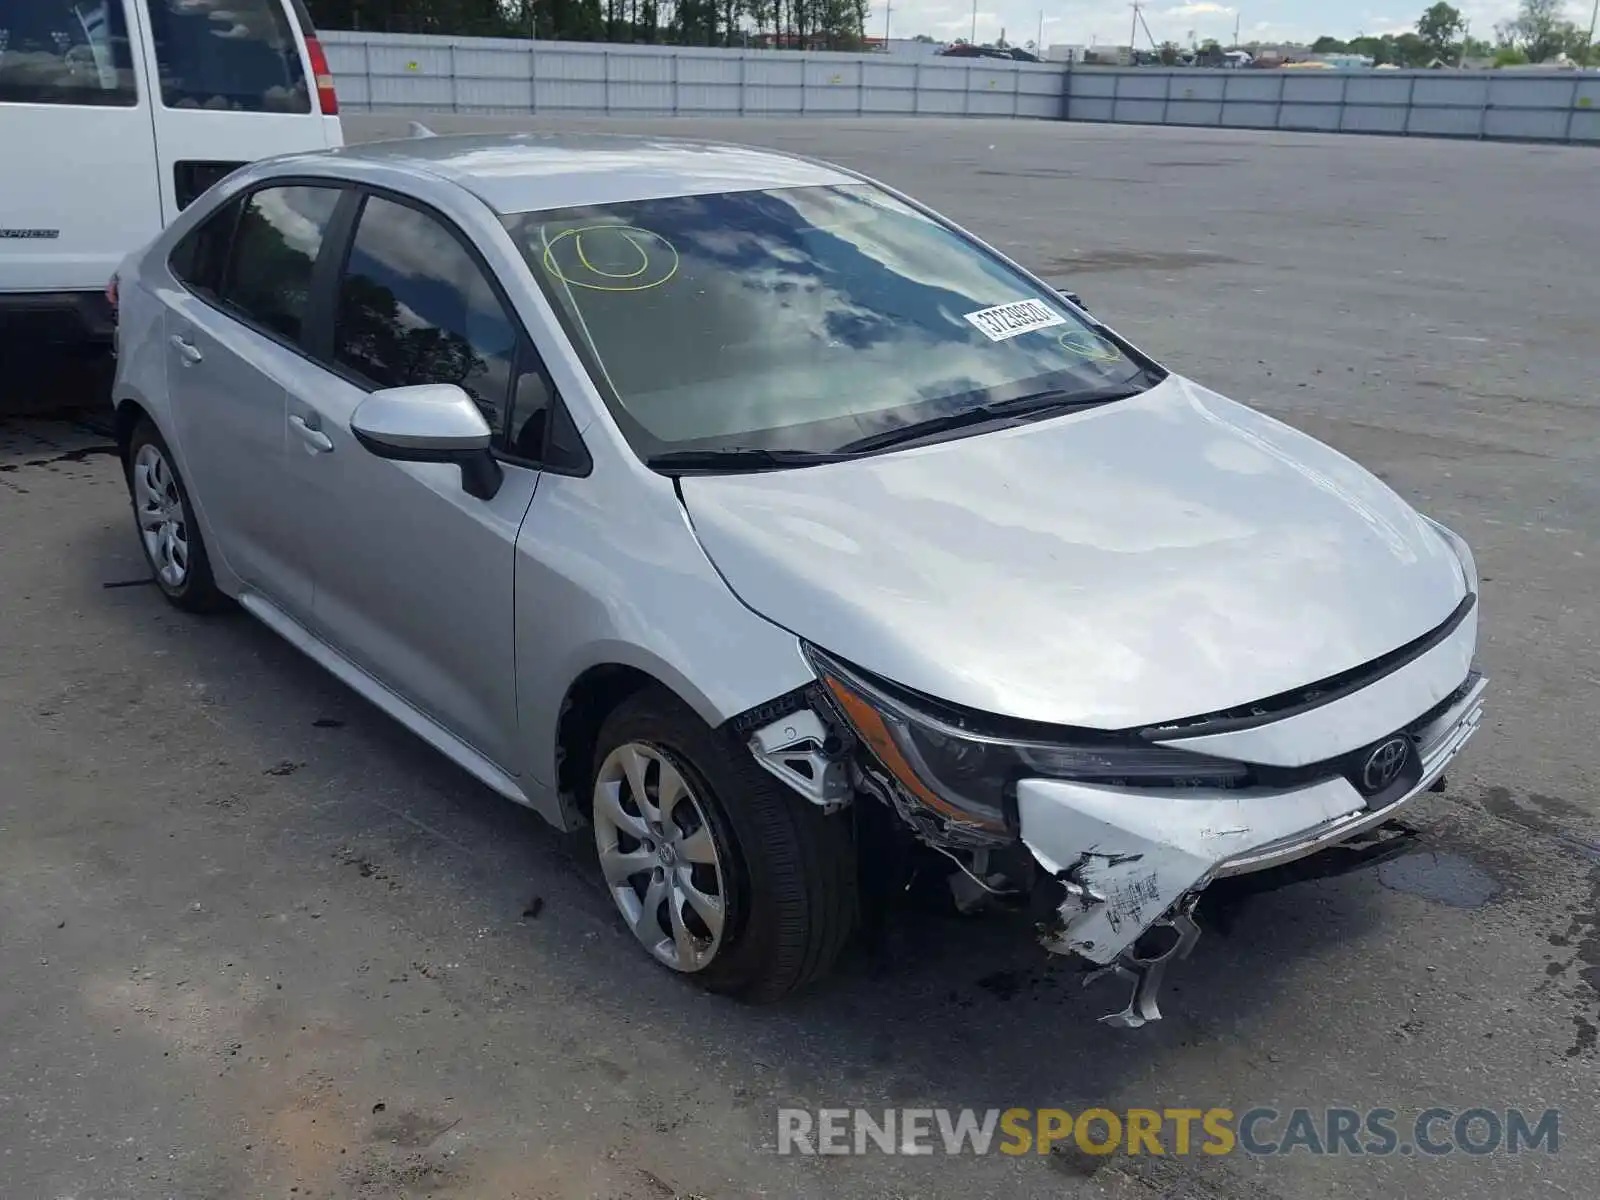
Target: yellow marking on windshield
582,247
1089,346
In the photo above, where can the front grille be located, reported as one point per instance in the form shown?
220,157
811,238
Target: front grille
1351,765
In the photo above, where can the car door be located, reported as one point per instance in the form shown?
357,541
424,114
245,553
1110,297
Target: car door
413,576
77,184
234,82
234,338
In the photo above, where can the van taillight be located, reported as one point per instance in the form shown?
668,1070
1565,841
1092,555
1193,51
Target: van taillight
111,293
327,98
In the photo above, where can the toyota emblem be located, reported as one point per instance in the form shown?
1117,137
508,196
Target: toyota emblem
1384,764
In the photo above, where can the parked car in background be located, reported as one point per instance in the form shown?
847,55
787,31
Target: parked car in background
1006,53
116,114
785,535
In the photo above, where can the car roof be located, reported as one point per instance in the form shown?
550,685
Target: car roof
522,172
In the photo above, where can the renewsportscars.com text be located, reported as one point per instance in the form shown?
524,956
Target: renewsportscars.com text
1259,1131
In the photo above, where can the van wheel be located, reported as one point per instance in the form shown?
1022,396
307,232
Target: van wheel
719,871
167,528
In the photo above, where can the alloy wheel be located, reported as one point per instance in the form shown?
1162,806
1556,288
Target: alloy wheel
159,508
659,856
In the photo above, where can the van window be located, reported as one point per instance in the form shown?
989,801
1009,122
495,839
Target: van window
228,56
274,250
65,52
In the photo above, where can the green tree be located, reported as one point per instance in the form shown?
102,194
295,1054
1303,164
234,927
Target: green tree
1411,50
1541,31
1328,45
1439,27
1379,50
834,24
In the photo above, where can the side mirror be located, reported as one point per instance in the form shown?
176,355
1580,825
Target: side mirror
1072,298
430,422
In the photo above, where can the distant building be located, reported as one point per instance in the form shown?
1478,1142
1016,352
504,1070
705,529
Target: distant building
1109,56
1283,51
1065,54
1345,62
903,47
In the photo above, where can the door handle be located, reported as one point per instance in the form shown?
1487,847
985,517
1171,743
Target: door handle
190,352
314,439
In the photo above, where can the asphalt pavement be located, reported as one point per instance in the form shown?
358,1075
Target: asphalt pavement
256,940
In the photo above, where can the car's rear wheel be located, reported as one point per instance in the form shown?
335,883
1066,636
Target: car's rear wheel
718,870
168,531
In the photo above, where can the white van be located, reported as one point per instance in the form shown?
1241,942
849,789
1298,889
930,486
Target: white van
115,114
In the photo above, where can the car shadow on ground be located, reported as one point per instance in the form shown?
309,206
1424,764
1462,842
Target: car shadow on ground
55,379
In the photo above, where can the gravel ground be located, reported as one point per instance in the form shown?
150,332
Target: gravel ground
258,941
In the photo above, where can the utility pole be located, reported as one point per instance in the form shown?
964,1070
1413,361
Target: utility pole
974,22
1236,17
1133,32
1038,46
888,9
1594,16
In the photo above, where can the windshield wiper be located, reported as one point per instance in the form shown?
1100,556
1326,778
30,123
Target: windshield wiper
739,458
1038,404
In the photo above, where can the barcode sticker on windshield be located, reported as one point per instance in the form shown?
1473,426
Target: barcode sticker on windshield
1007,320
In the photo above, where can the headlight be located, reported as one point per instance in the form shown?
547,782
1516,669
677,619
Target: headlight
966,776
1462,551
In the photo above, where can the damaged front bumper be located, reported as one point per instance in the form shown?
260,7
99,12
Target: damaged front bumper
1132,862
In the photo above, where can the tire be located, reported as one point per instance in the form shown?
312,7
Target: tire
164,521
787,872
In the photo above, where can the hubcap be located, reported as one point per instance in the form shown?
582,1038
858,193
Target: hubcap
659,857
160,511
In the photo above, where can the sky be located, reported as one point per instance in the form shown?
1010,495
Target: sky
1082,22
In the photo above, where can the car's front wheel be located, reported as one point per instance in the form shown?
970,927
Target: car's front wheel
718,870
168,531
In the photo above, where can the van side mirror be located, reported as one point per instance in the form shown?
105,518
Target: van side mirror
430,422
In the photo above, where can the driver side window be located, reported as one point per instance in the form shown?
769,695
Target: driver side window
414,307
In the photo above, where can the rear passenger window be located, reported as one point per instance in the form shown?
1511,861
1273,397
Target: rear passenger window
414,307
201,258
274,250
65,52
228,56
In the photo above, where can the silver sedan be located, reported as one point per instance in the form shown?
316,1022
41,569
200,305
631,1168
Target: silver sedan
750,514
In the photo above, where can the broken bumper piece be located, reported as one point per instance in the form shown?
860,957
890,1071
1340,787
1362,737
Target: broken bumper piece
1132,862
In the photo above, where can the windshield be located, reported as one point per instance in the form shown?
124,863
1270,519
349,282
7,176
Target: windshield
799,319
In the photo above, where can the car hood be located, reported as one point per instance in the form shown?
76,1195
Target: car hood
1156,558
